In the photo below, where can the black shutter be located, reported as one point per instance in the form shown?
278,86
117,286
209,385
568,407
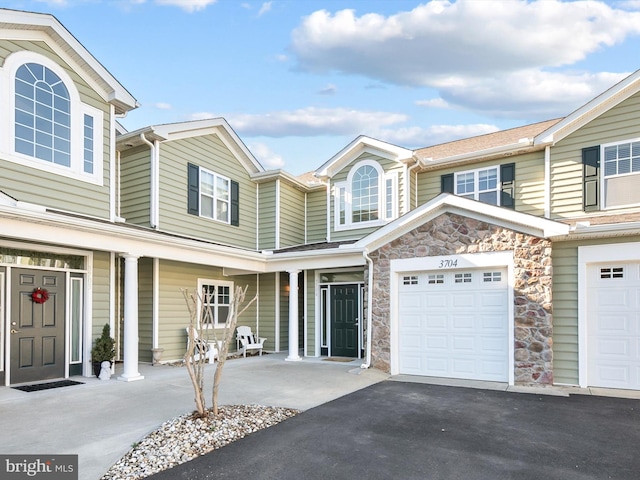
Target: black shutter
591,178
193,191
446,183
235,204
508,185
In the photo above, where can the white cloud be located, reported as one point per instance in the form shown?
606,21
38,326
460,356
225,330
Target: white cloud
266,156
312,121
188,5
266,7
330,89
162,106
54,3
497,60
433,103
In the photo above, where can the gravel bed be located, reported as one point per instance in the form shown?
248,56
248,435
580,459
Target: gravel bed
185,438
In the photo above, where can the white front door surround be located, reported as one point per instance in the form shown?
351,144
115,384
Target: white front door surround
449,265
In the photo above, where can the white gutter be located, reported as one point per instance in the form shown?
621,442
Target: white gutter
113,182
547,181
367,363
277,226
409,171
153,201
513,147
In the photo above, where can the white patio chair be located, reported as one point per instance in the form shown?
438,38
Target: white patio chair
246,340
203,347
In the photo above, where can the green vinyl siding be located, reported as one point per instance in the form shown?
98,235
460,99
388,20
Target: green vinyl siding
267,215
316,216
565,306
529,188
310,316
145,309
209,152
617,124
173,314
292,213
283,331
135,186
99,283
389,167
267,309
44,188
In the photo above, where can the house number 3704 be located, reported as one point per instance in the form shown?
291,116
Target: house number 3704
448,263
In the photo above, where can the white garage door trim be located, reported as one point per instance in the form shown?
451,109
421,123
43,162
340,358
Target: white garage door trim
449,262
589,256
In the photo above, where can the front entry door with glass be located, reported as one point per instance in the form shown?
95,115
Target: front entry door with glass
345,313
37,329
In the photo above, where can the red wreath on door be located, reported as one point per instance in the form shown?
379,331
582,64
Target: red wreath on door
39,295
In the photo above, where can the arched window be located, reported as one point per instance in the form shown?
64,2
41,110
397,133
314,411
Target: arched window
42,115
365,193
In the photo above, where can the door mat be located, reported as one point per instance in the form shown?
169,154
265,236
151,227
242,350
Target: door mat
339,359
36,387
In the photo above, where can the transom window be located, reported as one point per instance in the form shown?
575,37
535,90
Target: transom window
482,185
621,179
214,196
43,115
367,198
216,299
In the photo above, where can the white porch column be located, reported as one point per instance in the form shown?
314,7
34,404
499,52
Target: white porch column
293,316
130,320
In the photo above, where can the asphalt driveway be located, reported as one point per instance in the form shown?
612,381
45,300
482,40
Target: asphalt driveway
406,430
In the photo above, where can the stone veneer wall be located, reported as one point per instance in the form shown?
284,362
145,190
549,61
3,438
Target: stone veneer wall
450,234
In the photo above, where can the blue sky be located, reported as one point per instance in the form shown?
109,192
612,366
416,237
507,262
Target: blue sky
300,79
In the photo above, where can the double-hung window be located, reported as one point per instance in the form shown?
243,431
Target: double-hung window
621,178
482,185
215,302
212,195
367,198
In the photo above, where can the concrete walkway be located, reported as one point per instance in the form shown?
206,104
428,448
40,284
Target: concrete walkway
100,420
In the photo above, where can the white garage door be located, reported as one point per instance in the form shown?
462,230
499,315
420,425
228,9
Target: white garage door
454,324
613,325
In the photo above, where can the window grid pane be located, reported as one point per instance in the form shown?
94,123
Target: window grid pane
88,144
365,194
214,196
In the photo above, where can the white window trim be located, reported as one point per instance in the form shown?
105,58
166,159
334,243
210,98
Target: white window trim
217,283
348,196
603,177
78,110
476,176
216,176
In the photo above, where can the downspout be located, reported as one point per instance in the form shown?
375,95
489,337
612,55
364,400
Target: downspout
415,190
367,363
153,210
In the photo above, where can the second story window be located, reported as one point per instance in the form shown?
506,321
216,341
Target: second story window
367,198
621,174
43,115
494,185
211,195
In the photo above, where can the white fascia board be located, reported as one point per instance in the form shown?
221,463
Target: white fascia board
315,259
41,26
82,233
357,147
603,231
219,126
443,203
603,102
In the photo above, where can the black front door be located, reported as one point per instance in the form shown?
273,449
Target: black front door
345,313
37,329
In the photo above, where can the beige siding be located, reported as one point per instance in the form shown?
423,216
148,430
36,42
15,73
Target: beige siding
565,307
44,188
292,222
317,216
209,152
618,124
529,194
267,216
388,166
135,195
173,313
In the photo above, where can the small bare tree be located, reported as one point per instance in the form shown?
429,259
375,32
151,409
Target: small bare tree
197,351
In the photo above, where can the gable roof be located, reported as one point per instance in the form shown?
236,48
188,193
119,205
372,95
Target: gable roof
176,131
448,203
44,27
503,142
357,147
591,110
